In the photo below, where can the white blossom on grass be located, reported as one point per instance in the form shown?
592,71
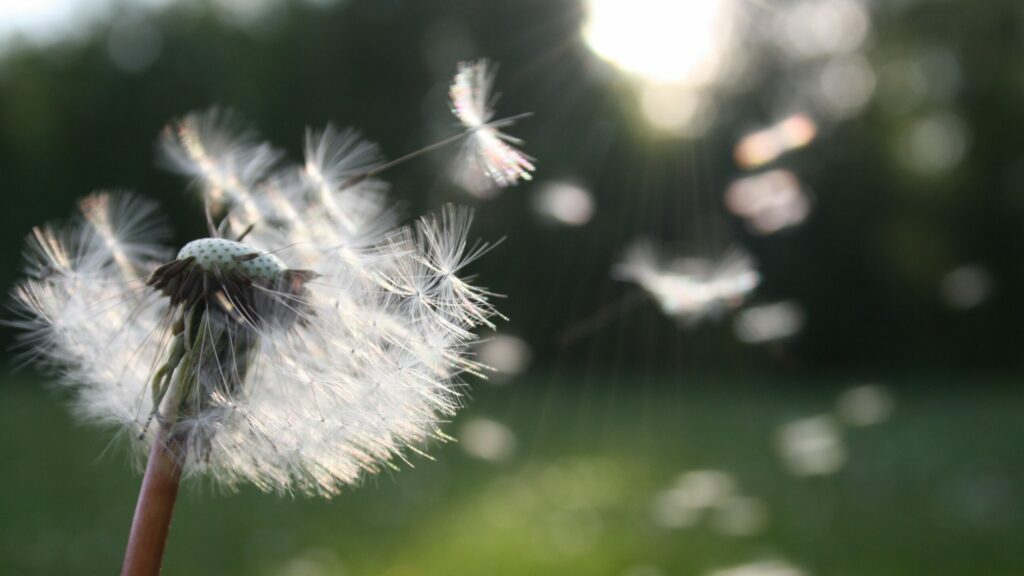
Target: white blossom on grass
309,342
489,157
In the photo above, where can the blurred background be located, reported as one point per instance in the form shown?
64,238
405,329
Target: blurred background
760,290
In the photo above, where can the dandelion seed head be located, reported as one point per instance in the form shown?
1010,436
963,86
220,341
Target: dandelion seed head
326,345
223,255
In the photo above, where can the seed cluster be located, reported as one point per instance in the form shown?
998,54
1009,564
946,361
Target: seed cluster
225,255
243,282
263,375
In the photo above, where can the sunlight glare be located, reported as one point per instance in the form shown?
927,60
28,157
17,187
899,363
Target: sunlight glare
674,51
665,42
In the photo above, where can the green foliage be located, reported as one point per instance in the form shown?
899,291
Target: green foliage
936,490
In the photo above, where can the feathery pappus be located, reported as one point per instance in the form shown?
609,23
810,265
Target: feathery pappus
489,156
308,341
690,289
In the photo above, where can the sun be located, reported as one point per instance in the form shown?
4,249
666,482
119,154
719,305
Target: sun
661,41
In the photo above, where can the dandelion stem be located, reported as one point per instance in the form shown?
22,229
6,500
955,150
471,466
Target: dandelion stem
356,179
405,158
153,511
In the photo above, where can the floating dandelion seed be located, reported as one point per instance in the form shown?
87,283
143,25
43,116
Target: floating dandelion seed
690,289
487,439
488,157
692,493
699,492
766,145
508,355
769,322
811,446
225,158
966,287
739,516
564,203
307,343
768,202
865,405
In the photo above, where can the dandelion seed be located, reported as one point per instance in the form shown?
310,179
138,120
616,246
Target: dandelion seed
698,493
319,348
487,440
811,446
966,287
690,289
768,202
489,157
564,203
765,146
705,488
769,322
865,405
224,157
508,355
739,516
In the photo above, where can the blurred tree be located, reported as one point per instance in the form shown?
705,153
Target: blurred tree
82,114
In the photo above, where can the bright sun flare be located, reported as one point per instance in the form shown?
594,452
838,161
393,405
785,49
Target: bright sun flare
661,41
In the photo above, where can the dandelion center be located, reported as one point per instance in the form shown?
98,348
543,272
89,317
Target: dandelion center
225,255
229,277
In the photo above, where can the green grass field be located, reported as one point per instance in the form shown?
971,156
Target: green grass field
938,489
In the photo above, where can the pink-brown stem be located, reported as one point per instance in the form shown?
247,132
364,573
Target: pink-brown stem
153,511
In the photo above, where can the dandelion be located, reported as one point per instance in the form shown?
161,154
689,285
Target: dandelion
489,156
306,343
690,289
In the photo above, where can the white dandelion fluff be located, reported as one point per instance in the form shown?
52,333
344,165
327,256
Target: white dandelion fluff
690,289
222,155
489,157
307,342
